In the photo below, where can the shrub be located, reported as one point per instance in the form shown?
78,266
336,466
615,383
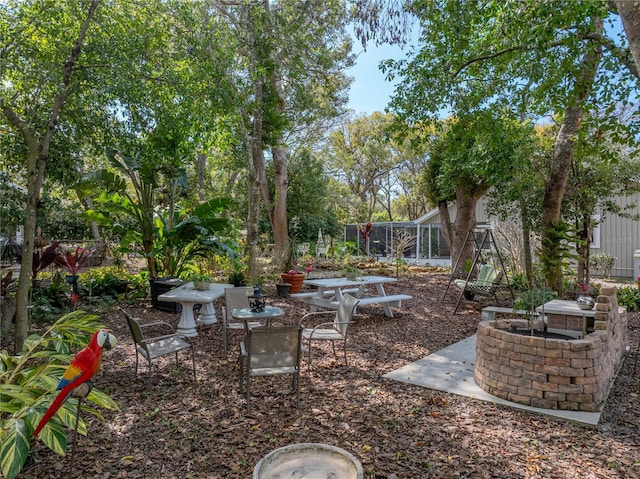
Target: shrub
629,298
530,300
603,263
104,282
27,383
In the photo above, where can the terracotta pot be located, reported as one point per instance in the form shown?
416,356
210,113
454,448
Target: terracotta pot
295,280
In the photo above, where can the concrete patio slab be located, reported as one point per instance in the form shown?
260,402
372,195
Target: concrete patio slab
452,370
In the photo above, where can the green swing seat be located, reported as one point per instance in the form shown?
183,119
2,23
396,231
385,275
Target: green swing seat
486,284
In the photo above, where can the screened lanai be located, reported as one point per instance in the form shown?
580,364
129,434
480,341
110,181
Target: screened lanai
421,242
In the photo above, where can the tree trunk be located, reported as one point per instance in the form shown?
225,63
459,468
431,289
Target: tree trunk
37,158
526,245
7,312
202,162
629,11
277,208
583,250
256,164
101,247
456,233
278,215
556,187
462,245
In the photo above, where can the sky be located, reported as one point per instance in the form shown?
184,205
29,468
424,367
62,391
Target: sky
369,90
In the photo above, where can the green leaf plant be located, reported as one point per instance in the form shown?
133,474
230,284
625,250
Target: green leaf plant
166,233
28,383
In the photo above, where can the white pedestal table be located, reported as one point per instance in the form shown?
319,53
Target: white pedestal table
188,296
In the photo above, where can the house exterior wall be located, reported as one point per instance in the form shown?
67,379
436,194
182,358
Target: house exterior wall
615,235
620,237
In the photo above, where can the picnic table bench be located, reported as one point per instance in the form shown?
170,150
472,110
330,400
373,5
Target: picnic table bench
331,290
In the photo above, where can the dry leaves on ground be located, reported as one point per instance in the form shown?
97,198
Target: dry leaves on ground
179,428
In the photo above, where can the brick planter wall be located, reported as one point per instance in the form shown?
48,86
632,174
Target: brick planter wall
553,373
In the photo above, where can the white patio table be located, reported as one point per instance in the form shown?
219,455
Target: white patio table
330,291
188,296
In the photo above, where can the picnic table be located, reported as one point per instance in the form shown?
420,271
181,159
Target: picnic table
329,292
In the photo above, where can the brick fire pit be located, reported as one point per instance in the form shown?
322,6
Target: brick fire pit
568,374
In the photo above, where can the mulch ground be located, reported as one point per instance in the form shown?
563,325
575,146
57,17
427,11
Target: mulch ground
178,428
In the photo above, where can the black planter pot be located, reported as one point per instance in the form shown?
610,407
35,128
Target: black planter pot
283,289
159,286
72,279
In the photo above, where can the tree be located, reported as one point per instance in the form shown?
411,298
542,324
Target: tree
288,74
535,58
473,154
521,197
134,76
606,165
630,15
362,157
50,84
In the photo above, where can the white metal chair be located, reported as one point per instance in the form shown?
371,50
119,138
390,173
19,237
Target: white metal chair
157,346
235,298
333,331
270,351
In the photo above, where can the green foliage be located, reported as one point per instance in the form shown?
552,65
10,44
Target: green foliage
350,271
519,282
472,54
629,297
555,251
27,386
170,237
530,300
238,277
51,301
12,201
61,219
344,250
106,283
602,262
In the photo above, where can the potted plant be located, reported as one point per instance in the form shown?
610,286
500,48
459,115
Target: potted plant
283,289
72,261
201,282
294,278
350,271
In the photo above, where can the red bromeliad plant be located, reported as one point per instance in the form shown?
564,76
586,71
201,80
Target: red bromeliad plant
43,258
365,232
586,289
72,261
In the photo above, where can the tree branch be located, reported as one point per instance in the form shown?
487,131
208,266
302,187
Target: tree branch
489,56
622,54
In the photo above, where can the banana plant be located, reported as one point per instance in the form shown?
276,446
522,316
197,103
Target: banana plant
168,236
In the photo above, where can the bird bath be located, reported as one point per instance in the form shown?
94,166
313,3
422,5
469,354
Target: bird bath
308,461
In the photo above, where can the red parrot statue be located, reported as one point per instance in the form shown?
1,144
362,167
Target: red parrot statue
83,367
